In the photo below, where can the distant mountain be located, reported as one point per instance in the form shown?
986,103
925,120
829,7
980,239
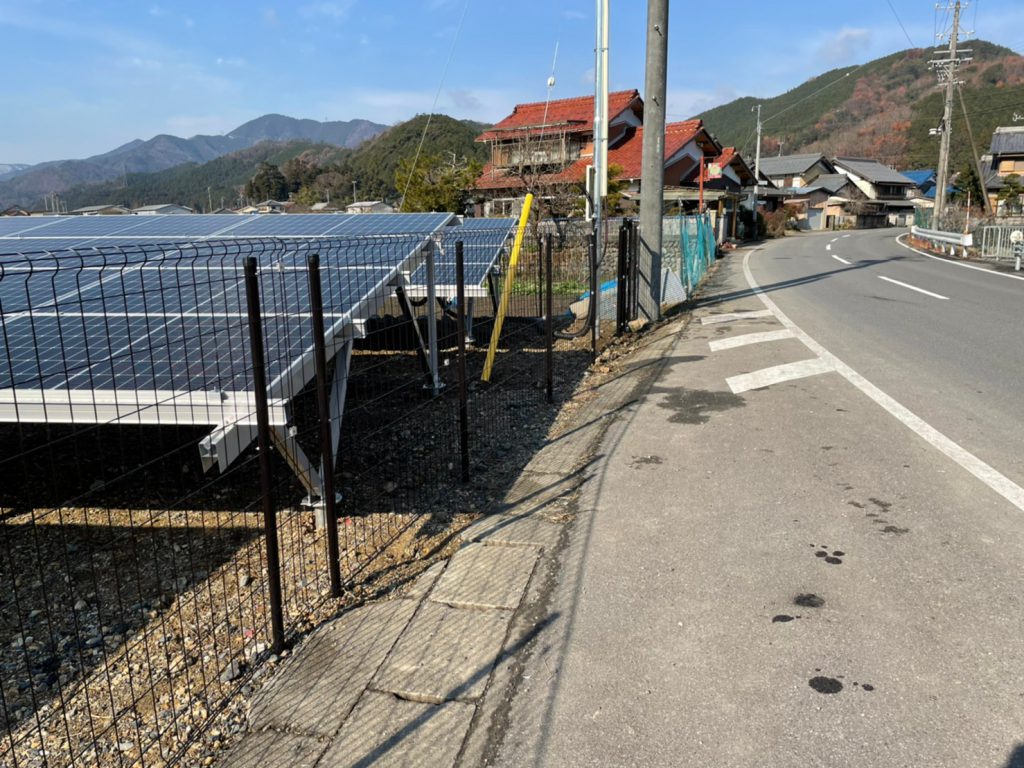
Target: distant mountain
10,170
326,169
882,109
166,151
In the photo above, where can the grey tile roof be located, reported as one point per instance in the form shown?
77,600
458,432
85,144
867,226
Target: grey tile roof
830,182
789,165
872,171
1006,141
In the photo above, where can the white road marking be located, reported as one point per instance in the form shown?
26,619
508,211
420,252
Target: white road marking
777,374
845,235
749,338
828,247
728,317
913,288
990,476
833,239
958,263
840,258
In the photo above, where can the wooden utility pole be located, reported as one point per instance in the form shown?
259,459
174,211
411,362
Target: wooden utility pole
652,175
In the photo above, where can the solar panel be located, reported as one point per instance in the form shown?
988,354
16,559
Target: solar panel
482,243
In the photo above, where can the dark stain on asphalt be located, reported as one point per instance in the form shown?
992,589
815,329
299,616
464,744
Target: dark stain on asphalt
639,461
858,505
867,687
809,600
782,618
895,529
827,447
833,559
825,684
841,410
696,406
879,503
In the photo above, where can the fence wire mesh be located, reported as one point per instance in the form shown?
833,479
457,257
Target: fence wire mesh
137,612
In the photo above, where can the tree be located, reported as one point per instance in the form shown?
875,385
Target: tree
436,183
299,172
268,184
1011,193
967,184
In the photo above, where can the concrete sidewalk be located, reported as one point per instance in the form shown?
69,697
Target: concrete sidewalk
423,680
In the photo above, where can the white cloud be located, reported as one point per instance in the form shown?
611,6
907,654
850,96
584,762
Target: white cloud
845,44
230,61
270,17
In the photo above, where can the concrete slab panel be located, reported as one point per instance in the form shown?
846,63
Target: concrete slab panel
272,749
424,582
317,688
514,531
479,576
387,732
446,654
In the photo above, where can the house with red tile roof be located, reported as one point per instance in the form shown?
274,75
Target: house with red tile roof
545,148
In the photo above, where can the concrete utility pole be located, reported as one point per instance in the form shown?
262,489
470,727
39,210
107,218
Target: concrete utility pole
599,188
652,175
946,69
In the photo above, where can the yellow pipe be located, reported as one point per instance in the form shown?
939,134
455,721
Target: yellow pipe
506,291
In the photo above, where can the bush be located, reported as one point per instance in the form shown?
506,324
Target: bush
775,223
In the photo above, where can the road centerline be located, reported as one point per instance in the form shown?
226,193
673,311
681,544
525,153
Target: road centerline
913,288
840,259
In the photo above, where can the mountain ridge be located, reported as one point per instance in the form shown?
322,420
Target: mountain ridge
165,151
880,109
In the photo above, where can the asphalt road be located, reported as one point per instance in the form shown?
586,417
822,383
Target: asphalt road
780,572
957,362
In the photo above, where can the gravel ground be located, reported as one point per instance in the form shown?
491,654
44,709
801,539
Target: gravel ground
137,627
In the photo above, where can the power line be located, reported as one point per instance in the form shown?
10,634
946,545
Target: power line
898,21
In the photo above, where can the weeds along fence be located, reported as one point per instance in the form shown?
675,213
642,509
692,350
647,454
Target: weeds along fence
172,436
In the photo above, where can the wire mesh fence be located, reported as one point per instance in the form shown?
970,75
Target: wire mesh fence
139,521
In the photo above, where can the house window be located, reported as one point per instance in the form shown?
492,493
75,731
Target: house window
1007,167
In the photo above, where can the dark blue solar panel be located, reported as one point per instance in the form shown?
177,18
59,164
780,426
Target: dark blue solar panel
482,244
152,315
93,226
11,225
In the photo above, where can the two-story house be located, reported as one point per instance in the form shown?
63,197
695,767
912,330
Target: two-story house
545,147
881,184
793,171
1005,157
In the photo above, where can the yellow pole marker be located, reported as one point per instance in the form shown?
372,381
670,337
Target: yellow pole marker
506,291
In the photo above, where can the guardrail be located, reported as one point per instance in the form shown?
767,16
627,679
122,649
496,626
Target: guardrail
952,239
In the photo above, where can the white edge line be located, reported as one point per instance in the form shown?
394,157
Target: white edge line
990,476
957,263
717,345
913,288
840,258
828,247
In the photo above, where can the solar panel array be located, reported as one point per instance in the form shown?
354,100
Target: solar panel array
145,315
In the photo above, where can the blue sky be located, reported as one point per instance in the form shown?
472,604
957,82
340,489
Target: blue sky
84,77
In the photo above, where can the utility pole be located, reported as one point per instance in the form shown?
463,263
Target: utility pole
945,68
599,189
652,175
353,192
209,200
757,166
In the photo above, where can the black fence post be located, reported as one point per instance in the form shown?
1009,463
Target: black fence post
460,289
540,276
259,380
595,302
634,270
316,306
549,320
622,289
